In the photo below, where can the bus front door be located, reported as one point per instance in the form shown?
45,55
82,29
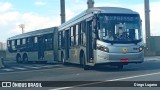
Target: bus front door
41,48
67,44
89,46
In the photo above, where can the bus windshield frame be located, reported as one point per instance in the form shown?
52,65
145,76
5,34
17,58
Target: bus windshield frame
119,28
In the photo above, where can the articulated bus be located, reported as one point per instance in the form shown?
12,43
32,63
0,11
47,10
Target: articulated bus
39,45
102,35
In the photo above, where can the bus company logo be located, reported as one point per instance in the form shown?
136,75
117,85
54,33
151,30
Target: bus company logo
124,50
6,84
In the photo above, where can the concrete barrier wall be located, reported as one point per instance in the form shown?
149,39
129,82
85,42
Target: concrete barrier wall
3,54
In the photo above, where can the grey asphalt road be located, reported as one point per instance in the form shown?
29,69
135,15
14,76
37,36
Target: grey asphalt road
147,71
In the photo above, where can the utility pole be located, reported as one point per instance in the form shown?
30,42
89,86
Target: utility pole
147,24
22,26
90,4
63,18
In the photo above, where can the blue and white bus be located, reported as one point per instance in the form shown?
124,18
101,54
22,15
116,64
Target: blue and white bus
39,45
102,35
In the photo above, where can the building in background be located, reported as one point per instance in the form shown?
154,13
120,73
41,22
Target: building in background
3,46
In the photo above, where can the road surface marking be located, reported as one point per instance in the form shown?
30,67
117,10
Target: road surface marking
36,67
35,70
118,79
7,69
19,68
49,66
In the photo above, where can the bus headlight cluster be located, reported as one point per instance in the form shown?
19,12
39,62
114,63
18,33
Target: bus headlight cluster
141,48
102,48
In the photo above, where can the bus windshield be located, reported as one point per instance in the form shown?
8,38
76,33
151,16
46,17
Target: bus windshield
120,28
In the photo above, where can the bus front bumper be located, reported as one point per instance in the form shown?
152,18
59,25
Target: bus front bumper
103,57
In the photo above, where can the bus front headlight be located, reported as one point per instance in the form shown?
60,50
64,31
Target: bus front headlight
106,49
141,48
102,48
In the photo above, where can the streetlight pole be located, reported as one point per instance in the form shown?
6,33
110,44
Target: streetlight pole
90,3
63,18
22,26
147,23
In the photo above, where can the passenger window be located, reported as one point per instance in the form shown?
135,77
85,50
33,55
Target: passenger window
35,40
18,42
13,43
24,41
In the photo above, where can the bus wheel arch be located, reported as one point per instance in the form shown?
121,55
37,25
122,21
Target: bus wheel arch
18,58
81,57
83,61
25,58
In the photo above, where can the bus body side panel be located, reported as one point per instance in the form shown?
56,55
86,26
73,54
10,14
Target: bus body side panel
48,56
74,55
32,56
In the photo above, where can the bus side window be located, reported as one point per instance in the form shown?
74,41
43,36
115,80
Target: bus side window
49,42
72,37
8,43
83,33
13,44
35,40
76,34
63,39
59,40
79,34
18,42
23,41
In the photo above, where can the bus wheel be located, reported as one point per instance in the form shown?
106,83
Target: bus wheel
25,58
18,59
120,66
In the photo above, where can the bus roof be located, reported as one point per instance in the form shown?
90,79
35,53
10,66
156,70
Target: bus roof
105,10
113,10
34,33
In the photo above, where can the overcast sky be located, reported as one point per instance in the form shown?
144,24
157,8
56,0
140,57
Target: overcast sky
38,14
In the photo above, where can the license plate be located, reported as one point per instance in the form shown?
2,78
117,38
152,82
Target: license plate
124,60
